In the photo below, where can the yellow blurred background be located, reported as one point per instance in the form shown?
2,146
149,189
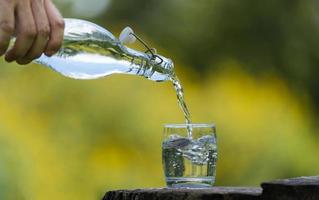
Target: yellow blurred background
72,139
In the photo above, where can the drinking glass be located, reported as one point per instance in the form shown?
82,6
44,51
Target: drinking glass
189,155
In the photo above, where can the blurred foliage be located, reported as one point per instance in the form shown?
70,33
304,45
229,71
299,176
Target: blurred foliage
273,35
248,66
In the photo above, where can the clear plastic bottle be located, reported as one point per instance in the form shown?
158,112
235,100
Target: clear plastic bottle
90,52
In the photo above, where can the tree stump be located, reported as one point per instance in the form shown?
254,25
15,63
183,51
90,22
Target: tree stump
302,188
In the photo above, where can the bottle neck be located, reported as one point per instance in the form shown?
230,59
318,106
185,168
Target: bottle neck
156,68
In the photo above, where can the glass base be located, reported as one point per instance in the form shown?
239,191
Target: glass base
198,182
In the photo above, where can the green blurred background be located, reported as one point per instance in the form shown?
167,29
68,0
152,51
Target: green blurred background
249,66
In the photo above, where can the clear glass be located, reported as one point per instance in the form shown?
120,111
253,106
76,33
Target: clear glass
189,160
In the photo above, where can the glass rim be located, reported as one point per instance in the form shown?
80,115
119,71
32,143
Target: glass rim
193,125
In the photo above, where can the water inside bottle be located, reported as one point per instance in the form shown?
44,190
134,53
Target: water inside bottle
92,59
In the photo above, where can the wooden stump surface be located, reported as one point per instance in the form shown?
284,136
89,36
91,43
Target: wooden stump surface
301,188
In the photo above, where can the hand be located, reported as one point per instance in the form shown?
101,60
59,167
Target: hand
37,25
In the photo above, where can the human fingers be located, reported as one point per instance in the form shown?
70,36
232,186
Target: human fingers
57,28
6,24
42,32
25,31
